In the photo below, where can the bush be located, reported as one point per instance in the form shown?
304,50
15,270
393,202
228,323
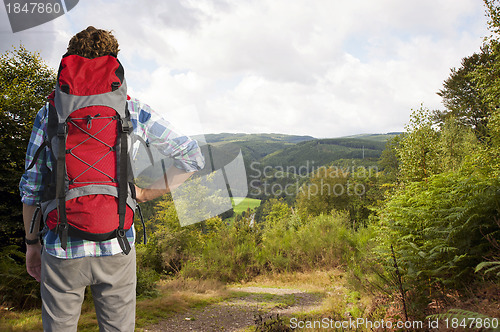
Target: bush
17,288
439,229
229,254
283,241
147,276
146,282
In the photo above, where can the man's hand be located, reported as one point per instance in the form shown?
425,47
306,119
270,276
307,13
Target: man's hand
34,260
143,195
33,251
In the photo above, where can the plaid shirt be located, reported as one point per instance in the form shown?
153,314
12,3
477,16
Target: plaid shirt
150,126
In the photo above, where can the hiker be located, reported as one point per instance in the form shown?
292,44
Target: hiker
79,148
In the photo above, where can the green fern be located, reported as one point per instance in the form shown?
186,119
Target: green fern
490,267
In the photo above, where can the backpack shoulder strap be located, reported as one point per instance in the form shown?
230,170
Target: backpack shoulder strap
125,130
37,155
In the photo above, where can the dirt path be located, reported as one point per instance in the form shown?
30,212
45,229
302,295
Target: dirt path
241,311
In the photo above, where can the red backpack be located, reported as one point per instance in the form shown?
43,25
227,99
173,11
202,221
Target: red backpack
90,191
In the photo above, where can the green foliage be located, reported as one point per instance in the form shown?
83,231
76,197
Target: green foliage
486,76
326,191
254,146
489,267
353,189
170,245
313,154
25,82
438,228
275,211
493,14
230,254
418,158
282,241
279,237
489,156
444,211
462,97
17,288
389,158
456,142
147,278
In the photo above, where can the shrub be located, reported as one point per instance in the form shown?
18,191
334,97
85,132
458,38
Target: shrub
230,254
439,228
17,288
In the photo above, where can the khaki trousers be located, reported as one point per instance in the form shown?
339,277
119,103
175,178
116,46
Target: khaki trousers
112,280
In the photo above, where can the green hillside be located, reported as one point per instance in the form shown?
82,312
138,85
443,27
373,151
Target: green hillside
278,150
272,160
292,150
254,146
375,137
325,151
230,137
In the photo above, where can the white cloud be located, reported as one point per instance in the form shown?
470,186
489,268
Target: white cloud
317,67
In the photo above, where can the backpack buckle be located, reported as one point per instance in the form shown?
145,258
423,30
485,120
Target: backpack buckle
126,126
62,129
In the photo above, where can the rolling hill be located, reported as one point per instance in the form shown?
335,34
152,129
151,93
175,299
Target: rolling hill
274,150
254,146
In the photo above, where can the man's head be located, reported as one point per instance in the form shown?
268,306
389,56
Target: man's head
92,43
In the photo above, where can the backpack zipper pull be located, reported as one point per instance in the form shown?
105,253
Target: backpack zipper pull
89,120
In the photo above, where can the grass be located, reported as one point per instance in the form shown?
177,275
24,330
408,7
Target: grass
175,295
311,281
181,294
241,204
20,321
178,295
266,300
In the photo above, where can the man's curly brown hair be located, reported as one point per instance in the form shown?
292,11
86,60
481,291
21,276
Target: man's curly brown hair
92,43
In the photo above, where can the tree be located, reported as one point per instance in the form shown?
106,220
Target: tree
487,75
456,142
25,82
493,14
417,153
389,158
462,97
354,190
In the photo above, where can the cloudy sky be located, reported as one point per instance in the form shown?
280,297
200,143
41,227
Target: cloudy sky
325,68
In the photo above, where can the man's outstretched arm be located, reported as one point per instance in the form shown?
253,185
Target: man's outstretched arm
174,177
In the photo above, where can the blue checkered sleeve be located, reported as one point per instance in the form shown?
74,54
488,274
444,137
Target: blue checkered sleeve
31,185
160,133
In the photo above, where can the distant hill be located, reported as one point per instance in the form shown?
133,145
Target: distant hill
254,146
321,152
286,151
268,157
229,137
375,137
296,151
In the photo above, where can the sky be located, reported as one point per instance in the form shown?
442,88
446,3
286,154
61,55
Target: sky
324,68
